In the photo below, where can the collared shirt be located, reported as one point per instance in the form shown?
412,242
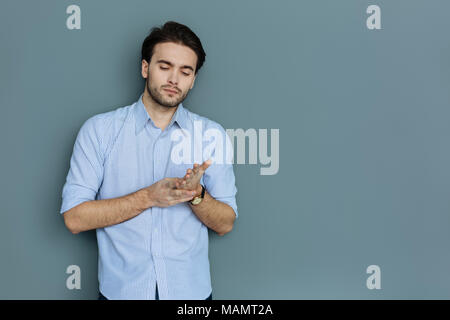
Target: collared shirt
121,151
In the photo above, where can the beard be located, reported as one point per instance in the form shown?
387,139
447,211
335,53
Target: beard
161,99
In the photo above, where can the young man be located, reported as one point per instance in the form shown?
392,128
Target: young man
151,213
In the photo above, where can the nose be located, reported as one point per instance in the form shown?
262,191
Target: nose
173,78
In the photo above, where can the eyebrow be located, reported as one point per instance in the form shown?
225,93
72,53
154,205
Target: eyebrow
171,64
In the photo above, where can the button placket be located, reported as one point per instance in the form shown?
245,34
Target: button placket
156,214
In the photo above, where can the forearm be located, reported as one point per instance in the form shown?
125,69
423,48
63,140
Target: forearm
106,212
215,214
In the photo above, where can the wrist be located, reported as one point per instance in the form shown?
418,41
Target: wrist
143,199
198,191
197,199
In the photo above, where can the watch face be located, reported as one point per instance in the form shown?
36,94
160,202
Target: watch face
197,200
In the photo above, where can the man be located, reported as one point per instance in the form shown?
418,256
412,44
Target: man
151,213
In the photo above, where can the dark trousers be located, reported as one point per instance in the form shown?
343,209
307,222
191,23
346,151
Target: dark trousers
102,297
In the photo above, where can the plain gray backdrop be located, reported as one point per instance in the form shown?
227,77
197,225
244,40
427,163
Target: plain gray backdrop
364,122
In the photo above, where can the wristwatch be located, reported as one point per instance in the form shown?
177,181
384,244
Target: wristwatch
199,198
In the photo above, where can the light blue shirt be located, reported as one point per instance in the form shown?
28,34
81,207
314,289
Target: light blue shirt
119,152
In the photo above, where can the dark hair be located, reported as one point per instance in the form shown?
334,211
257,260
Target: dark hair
172,31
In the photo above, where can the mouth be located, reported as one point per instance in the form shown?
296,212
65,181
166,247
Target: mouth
171,91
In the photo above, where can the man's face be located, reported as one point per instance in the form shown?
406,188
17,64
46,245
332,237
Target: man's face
171,67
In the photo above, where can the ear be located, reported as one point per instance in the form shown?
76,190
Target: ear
192,85
144,69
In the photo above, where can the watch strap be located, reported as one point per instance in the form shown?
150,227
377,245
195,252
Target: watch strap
203,192
199,198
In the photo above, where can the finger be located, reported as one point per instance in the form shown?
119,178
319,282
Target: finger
196,169
181,200
183,193
181,184
171,182
206,164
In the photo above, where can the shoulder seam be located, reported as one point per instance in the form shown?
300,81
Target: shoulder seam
111,146
102,140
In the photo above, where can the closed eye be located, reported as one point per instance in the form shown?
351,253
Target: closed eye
165,68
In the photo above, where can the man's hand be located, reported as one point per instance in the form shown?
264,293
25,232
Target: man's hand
164,193
191,181
215,214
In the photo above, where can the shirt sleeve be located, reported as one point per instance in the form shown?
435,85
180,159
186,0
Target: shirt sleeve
219,179
86,167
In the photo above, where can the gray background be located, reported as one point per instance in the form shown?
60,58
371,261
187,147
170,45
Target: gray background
364,140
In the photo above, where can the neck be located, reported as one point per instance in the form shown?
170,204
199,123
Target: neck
160,115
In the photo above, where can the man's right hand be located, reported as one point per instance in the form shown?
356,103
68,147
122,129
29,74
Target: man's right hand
164,193
107,212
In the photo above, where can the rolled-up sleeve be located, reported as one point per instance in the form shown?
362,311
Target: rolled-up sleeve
86,166
219,179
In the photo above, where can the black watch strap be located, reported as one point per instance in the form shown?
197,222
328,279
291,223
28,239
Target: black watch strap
203,192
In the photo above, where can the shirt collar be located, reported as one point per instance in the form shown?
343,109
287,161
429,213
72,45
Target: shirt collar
142,117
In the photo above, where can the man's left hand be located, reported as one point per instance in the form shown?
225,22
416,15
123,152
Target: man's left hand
191,180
